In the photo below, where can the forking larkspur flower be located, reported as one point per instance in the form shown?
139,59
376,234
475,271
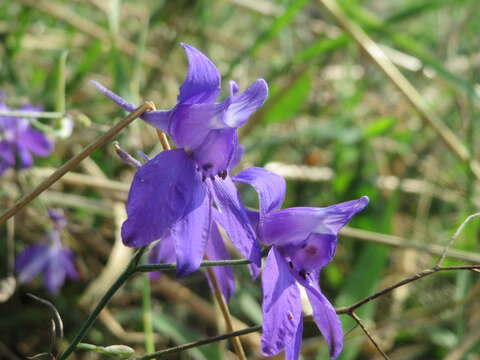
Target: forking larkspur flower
303,240
172,194
18,139
51,258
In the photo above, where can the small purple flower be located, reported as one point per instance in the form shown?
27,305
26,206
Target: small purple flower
19,140
51,258
303,240
171,196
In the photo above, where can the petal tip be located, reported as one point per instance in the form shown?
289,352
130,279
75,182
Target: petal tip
362,202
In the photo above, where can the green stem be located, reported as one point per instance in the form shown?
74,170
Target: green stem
147,316
168,267
33,114
103,302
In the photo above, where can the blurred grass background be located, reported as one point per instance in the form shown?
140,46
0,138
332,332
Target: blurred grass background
334,125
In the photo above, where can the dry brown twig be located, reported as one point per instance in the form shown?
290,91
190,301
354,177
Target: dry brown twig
362,325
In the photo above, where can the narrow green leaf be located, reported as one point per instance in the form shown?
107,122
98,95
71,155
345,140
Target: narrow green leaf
378,127
271,31
320,47
177,331
61,82
290,100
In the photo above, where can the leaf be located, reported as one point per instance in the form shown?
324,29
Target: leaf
177,331
378,127
271,31
291,99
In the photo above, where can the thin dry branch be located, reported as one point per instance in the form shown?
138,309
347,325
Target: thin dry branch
418,276
362,325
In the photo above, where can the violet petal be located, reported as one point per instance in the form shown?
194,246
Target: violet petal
163,251
68,263
55,272
191,235
270,187
26,159
324,314
7,156
243,105
293,225
191,123
202,84
315,252
233,87
163,191
214,155
233,217
35,141
31,262
216,250
292,350
281,305
237,156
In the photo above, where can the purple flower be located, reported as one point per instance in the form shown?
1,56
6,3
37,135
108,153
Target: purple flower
171,196
303,240
19,140
51,258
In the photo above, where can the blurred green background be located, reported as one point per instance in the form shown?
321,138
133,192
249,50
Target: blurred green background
334,125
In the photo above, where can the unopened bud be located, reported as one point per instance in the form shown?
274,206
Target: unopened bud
121,351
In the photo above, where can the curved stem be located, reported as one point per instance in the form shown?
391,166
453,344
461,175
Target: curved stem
131,268
208,263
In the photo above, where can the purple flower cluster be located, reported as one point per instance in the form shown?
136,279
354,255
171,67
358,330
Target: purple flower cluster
18,141
183,197
50,258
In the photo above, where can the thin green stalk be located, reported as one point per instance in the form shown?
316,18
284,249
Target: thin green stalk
169,267
147,315
103,302
61,81
33,114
